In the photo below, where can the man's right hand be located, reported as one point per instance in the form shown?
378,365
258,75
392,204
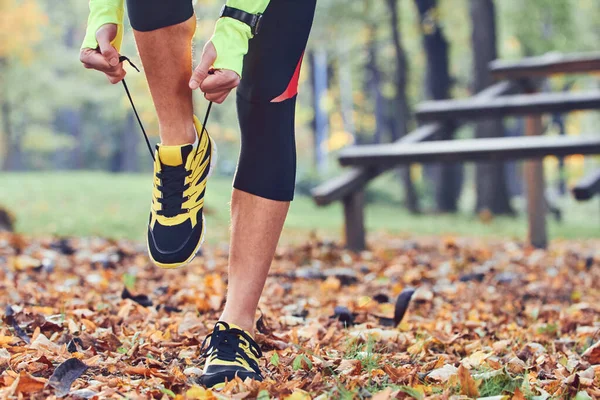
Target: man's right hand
105,58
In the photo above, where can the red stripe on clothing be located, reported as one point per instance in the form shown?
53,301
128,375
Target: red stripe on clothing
292,88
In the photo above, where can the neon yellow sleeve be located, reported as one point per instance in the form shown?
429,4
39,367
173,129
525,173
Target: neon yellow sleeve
104,12
231,36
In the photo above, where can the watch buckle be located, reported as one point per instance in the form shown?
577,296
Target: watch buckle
256,24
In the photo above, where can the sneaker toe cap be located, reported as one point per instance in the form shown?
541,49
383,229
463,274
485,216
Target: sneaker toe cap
174,244
217,374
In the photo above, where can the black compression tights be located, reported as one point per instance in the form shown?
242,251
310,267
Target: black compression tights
266,97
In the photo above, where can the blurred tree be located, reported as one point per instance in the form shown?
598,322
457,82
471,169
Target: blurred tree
346,88
541,25
401,112
20,23
319,81
490,178
448,178
373,83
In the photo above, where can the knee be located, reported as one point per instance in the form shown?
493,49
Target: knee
267,164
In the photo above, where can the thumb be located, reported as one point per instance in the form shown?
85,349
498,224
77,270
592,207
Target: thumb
209,55
104,36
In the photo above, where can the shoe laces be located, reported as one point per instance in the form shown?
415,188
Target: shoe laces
172,179
225,345
123,59
172,187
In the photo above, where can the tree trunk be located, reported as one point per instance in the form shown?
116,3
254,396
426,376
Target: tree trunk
68,120
402,112
373,86
13,160
129,145
447,179
492,190
346,95
318,62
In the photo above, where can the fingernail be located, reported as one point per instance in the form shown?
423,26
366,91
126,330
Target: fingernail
193,84
114,61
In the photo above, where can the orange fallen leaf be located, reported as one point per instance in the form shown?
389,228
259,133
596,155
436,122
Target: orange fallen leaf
199,393
592,355
397,375
349,367
518,395
6,340
29,384
385,394
298,395
468,386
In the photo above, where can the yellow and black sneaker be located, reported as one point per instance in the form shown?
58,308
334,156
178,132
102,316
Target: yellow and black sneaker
231,352
176,228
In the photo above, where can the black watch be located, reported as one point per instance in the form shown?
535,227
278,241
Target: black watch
252,20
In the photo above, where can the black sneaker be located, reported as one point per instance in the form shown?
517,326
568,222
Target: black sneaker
231,352
177,227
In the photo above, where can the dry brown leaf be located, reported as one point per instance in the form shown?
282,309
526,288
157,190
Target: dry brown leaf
385,394
135,349
468,386
41,342
7,340
29,384
592,355
199,393
443,374
349,367
518,395
397,375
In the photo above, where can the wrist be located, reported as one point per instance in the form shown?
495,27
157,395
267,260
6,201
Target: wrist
101,15
250,6
231,43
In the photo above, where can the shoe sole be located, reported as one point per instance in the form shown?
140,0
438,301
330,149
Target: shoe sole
228,378
213,163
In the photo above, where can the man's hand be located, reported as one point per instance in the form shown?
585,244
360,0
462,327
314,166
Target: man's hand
215,83
105,58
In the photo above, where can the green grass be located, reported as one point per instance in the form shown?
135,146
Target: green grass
498,385
116,205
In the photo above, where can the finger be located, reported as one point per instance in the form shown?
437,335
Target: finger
209,55
219,81
110,54
116,78
95,60
217,97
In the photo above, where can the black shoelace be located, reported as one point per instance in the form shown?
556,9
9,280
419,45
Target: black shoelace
172,178
172,188
225,344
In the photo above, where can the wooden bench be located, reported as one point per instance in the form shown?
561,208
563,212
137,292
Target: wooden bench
349,187
492,149
588,187
546,65
493,102
524,104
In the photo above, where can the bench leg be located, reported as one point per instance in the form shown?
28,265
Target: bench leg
534,181
354,216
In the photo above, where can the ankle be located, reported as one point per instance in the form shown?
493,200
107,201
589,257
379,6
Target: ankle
245,323
177,135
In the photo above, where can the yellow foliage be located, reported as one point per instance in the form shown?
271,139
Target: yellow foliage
298,395
339,139
20,23
199,393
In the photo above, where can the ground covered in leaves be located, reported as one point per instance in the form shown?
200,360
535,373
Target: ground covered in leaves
430,318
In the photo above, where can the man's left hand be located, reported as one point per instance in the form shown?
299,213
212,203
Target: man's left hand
215,83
